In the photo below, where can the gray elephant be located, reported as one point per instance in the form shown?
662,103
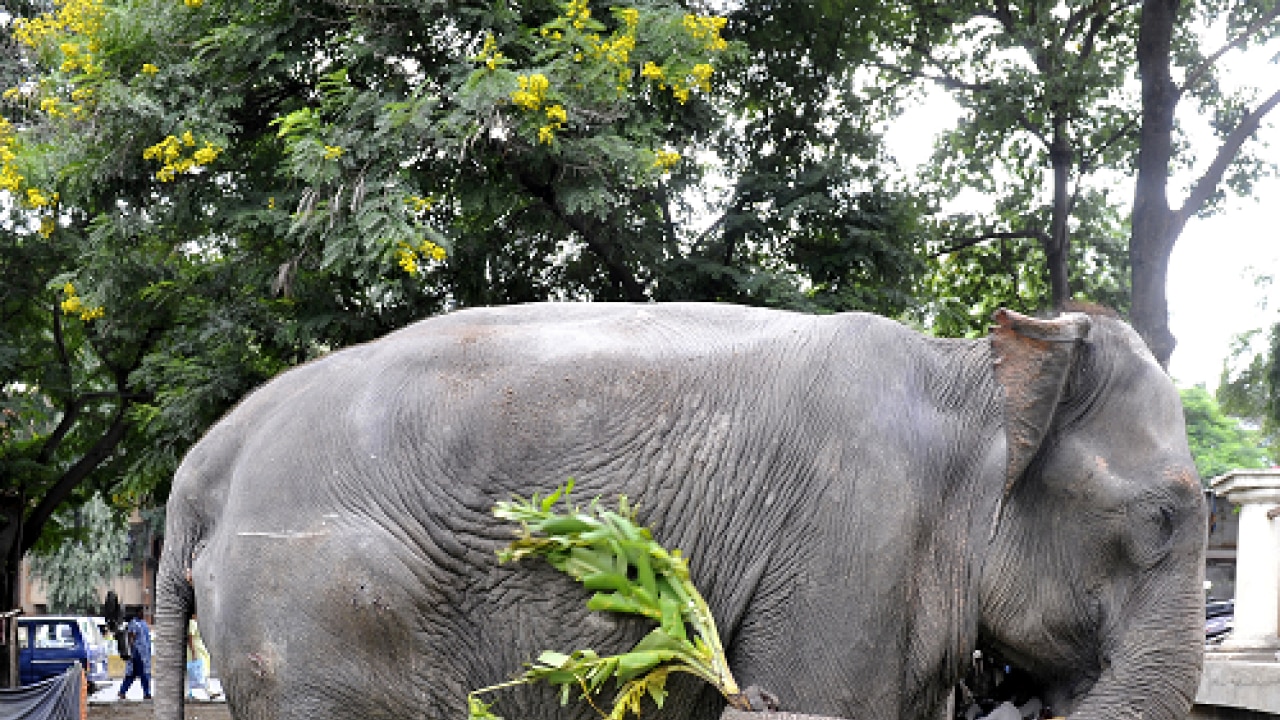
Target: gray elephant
862,505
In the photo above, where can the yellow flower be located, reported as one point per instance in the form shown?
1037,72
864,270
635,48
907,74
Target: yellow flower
271,203
47,225
420,204
681,93
92,314
13,93
72,305
188,139
701,74
707,28
149,69
489,54
557,114
332,152
524,99
52,106
433,251
206,154
533,90
193,3
630,16
36,199
652,71
665,159
10,180
546,134
407,258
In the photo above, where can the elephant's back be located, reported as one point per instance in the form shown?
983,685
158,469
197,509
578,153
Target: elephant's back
485,386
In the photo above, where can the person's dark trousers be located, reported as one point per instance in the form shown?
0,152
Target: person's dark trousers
137,670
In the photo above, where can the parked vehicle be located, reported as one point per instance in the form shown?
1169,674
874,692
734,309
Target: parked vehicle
48,644
1219,620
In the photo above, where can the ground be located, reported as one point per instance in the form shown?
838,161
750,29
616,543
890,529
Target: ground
144,710
103,704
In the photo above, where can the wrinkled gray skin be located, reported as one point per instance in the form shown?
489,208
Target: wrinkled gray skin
861,505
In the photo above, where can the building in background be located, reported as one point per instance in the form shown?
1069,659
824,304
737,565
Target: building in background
135,584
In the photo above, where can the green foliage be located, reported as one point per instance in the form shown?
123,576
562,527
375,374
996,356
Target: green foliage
966,285
628,572
1250,383
231,187
91,550
1218,442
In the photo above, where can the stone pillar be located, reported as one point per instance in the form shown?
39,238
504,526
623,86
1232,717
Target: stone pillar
1257,621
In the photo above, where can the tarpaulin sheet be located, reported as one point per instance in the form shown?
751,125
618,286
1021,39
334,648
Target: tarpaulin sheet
57,698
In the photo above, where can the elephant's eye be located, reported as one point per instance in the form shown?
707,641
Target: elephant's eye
1151,534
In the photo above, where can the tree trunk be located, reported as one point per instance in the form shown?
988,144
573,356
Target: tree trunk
1155,225
11,506
1056,251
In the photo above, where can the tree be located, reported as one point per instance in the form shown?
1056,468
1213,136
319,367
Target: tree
1250,383
91,553
1044,87
1051,107
1218,442
202,193
1156,224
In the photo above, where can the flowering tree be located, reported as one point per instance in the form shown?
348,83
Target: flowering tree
199,194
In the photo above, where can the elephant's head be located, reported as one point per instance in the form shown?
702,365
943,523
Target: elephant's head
1093,580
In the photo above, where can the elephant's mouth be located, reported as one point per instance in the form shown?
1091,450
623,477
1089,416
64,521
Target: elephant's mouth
996,687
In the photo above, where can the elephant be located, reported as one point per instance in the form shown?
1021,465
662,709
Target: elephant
862,506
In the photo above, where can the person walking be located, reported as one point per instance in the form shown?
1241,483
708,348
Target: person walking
197,660
139,635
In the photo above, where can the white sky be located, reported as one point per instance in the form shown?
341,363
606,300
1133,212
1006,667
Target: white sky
1212,291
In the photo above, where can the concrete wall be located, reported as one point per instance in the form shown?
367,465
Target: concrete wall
1236,685
1212,712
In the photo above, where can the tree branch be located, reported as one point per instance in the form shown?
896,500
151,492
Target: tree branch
34,524
943,79
60,344
1200,71
959,244
1203,188
1087,160
51,444
1096,26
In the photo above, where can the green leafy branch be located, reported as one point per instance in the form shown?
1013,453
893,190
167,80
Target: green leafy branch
629,572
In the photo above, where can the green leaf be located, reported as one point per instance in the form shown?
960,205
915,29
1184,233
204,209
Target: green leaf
601,602
635,663
551,658
672,617
599,548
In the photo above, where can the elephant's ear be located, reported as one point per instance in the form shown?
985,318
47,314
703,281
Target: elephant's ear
1032,360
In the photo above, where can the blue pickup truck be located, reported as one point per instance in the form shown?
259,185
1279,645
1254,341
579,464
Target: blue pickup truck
48,644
